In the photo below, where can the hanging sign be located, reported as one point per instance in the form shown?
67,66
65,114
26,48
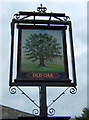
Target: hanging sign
42,51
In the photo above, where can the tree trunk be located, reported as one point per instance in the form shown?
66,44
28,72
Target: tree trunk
42,64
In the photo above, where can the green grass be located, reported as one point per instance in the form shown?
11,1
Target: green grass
35,67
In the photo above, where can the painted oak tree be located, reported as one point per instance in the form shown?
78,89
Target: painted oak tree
42,47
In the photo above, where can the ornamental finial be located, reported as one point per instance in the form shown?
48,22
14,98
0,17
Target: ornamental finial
41,9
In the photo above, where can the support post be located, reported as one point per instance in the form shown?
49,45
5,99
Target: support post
43,106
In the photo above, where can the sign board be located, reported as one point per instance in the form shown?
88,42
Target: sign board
42,53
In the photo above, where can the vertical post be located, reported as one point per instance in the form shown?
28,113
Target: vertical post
12,50
72,53
43,106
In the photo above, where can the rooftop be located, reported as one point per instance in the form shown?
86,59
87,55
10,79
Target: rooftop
11,113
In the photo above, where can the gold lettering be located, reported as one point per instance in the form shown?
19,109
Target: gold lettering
40,75
51,75
34,75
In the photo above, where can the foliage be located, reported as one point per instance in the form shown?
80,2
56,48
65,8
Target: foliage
41,46
85,115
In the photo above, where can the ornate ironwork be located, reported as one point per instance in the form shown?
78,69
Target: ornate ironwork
61,18
51,112
73,90
28,97
58,97
35,112
23,15
41,9
17,16
66,18
12,90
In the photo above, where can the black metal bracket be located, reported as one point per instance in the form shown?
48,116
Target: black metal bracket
13,91
51,111
58,16
58,97
22,15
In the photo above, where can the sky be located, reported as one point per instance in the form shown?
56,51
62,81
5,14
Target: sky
68,104
87,54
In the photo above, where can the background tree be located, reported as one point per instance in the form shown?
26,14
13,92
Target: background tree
41,46
85,115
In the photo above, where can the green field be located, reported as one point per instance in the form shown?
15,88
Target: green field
56,64
48,67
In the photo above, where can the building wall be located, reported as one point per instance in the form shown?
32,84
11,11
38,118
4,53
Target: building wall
10,113
0,112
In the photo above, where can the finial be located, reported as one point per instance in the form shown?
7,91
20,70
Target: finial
41,9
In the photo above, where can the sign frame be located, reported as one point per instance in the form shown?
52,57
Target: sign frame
49,25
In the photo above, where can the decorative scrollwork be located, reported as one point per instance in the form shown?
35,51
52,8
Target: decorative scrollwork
17,16
66,18
12,90
35,112
73,90
51,112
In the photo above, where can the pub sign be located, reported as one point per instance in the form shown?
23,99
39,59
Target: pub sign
42,54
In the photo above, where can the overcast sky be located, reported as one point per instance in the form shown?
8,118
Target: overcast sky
68,104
